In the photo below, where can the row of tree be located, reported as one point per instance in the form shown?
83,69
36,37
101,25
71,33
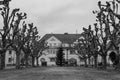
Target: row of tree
104,36
18,35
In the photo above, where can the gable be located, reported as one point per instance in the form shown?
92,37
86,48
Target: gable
61,38
53,40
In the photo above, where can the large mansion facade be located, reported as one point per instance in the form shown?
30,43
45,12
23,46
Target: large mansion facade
54,41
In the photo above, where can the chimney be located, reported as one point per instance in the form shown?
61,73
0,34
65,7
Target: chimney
65,33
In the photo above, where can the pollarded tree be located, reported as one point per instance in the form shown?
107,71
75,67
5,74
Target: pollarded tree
27,51
40,47
94,45
35,45
19,41
88,38
107,28
27,45
8,21
82,52
84,46
37,50
114,22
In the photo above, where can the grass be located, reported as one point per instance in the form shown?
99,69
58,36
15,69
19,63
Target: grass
59,73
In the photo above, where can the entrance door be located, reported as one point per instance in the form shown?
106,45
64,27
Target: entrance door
44,63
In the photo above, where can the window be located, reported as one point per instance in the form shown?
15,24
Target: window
50,44
54,51
52,59
9,59
54,44
50,51
42,59
10,52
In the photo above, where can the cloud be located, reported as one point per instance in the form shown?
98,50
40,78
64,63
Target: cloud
68,16
56,15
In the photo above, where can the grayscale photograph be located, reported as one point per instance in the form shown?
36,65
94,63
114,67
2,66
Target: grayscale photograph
59,39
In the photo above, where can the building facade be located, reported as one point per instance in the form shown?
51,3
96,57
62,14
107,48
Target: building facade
54,41
10,58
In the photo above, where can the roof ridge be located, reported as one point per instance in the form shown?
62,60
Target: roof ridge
65,38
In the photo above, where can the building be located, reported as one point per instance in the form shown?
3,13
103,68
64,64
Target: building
53,42
10,58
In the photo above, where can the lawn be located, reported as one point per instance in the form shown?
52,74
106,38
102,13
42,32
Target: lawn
59,73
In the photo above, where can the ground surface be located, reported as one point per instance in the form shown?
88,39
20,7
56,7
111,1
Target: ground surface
59,73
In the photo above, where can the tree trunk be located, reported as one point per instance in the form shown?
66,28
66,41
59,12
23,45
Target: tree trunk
95,61
3,52
33,61
2,61
89,61
17,61
26,60
104,62
37,61
85,62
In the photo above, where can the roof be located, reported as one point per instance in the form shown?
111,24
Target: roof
64,38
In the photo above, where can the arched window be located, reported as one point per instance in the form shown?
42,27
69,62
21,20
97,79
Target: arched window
42,59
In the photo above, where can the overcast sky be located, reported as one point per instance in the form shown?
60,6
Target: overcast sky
58,16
